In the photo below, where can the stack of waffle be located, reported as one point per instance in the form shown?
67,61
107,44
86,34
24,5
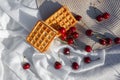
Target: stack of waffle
44,33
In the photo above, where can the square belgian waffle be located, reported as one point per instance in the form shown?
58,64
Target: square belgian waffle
62,18
41,36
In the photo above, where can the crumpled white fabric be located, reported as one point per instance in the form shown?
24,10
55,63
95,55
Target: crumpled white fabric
17,18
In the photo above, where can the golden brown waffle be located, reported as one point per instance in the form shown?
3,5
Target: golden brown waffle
41,36
43,33
61,18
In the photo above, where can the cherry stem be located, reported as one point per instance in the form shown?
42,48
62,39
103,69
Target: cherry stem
59,57
62,41
76,44
84,24
93,46
70,59
24,58
95,59
98,1
99,36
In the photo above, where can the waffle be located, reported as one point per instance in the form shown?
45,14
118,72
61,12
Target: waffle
61,18
41,36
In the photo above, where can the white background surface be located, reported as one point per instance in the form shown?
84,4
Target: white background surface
17,17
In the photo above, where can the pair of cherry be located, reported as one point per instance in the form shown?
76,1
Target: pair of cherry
105,15
69,35
103,41
75,65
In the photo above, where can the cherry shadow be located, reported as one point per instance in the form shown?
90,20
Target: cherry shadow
109,35
93,12
48,8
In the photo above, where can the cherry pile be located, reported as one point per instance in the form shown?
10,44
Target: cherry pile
69,35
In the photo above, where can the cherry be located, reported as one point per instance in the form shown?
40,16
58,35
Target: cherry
72,29
88,48
26,66
70,41
62,30
63,37
66,51
108,41
99,18
106,15
78,17
87,59
57,65
89,32
75,35
117,40
75,66
102,41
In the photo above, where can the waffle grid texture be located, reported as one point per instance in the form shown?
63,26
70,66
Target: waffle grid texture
41,36
61,18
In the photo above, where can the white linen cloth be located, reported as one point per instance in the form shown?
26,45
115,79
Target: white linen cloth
17,17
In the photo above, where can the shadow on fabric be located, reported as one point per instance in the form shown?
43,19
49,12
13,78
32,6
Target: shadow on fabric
48,8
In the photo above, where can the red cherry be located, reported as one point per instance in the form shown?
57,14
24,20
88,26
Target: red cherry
108,41
57,65
106,15
70,41
75,66
89,32
87,59
62,30
88,48
63,37
75,35
78,17
99,18
72,29
26,66
117,40
66,51
102,41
